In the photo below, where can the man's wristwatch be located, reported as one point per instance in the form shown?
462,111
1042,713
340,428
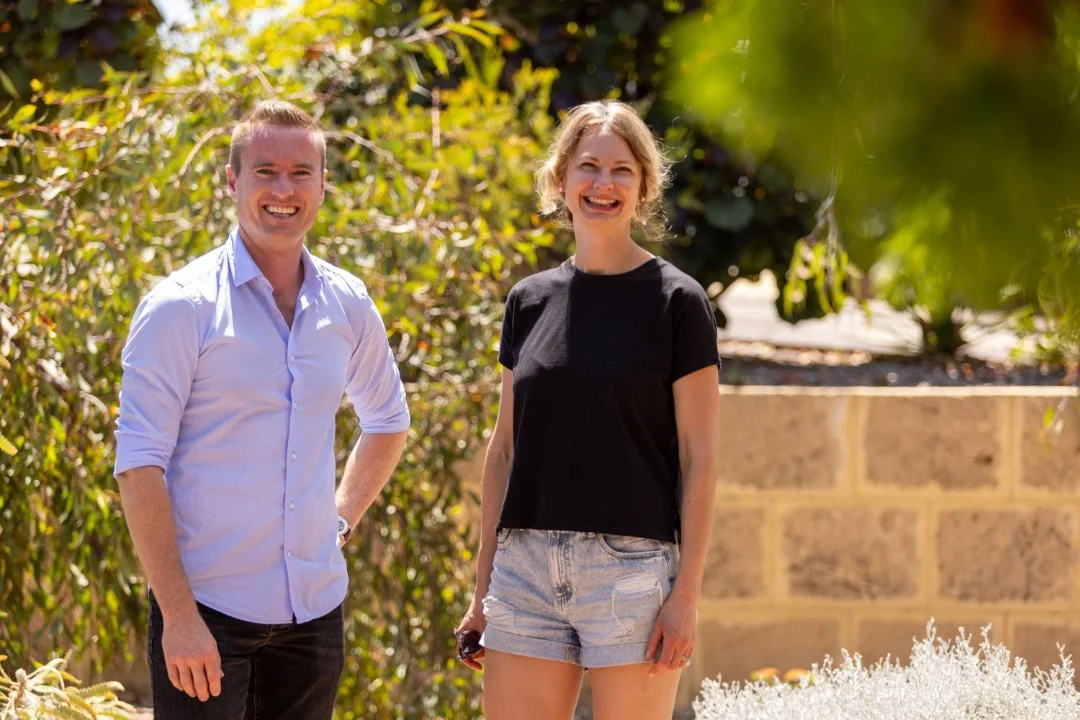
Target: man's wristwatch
344,529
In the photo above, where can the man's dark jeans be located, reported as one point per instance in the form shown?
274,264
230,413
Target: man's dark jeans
271,671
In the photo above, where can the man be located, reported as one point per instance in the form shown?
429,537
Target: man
234,369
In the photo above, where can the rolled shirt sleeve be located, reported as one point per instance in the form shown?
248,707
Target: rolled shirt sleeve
374,386
159,362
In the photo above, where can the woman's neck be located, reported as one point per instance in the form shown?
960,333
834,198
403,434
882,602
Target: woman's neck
610,255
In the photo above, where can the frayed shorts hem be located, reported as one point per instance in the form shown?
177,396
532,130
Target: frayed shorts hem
542,649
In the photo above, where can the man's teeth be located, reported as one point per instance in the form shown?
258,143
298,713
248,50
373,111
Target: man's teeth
280,210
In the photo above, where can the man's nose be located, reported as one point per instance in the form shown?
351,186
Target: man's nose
282,185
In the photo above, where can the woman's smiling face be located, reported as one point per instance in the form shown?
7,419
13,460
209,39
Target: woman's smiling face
602,184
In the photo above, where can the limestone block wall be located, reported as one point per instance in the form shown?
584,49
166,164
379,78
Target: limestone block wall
847,517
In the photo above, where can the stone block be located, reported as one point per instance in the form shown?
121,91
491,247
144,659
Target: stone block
852,553
895,638
1007,555
940,442
1037,641
733,650
734,565
1049,457
780,442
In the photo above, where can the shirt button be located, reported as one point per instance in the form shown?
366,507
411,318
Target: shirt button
294,456
289,554
295,405
292,506
292,358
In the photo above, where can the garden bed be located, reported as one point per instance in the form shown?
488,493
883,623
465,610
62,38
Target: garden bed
753,363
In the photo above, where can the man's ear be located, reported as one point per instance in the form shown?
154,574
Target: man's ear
230,180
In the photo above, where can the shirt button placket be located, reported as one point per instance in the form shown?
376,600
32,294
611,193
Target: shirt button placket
292,531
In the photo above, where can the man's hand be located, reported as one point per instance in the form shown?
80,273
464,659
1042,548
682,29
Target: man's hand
191,656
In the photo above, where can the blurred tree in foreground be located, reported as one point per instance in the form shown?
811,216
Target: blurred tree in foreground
943,135
430,203
62,44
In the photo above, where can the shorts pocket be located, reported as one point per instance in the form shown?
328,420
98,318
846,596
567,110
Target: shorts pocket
631,548
504,537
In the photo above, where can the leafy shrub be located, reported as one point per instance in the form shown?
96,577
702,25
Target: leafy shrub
945,680
62,43
50,693
429,202
732,214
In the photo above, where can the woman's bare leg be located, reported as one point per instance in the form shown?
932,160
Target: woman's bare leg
524,688
627,692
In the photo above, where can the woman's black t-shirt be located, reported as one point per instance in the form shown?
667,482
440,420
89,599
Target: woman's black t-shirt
594,359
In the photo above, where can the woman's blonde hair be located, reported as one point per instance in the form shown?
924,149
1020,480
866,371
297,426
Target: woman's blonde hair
621,118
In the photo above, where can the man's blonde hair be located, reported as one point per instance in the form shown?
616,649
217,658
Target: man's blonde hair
621,118
276,113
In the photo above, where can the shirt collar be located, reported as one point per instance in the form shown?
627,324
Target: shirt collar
242,267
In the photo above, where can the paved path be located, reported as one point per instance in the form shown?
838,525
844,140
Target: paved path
752,317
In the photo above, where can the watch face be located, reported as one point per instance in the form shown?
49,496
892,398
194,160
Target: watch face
342,526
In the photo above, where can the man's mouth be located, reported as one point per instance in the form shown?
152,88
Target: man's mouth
281,211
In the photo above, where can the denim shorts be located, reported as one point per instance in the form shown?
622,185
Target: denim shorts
584,598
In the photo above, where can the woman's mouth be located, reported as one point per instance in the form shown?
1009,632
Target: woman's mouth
601,204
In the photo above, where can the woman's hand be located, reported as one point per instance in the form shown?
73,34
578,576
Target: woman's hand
674,634
474,620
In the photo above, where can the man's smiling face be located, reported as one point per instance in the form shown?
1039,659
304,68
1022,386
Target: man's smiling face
279,187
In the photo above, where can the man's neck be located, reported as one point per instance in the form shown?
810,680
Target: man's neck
284,270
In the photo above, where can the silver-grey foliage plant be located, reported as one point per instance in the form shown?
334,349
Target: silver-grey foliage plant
944,680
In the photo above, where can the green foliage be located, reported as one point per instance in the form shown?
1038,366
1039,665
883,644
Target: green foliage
731,213
946,133
430,203
62,44
50,693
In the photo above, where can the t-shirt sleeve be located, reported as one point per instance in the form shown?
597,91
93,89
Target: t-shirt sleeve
695,333
506,342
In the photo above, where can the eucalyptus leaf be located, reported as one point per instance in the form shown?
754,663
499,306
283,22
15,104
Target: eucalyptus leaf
72,15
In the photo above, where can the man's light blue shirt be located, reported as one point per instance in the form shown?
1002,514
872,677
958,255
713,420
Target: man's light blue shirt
238,409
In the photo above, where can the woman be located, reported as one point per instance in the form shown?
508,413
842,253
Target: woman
598,482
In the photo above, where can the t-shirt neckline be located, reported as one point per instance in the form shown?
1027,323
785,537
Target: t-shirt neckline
644,267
